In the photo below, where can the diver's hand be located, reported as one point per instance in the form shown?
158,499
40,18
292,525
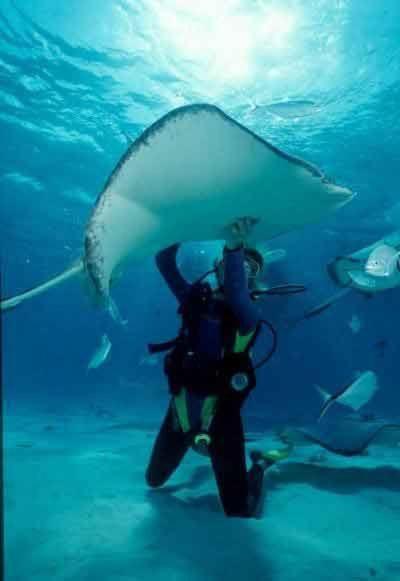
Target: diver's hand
237,233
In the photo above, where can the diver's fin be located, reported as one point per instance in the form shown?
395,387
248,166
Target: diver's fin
261,461
269,457
12,302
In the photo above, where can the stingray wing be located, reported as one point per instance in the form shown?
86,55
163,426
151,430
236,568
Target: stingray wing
189,175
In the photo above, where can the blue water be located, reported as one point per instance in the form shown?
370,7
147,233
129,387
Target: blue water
78,80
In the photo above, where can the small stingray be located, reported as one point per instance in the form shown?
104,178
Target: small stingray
187,177
353,395
346,436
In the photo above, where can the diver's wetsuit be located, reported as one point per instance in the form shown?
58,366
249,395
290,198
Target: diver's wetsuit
237,488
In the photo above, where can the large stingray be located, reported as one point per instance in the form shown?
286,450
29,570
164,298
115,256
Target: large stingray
187,177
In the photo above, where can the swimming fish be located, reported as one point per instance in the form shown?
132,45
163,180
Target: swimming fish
383,261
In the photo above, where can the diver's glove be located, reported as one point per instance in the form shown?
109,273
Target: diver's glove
237,233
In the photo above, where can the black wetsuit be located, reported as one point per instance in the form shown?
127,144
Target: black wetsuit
238,489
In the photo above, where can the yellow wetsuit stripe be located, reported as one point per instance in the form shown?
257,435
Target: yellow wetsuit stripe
242,341
182,411
208,411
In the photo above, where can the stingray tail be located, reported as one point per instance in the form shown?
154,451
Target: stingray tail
327,303
10,303
317,310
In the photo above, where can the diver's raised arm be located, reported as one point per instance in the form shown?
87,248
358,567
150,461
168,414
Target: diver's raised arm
166,264
237,276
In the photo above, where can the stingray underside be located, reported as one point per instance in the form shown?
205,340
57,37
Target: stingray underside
190,175
187,177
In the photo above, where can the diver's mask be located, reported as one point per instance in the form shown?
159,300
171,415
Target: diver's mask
252,268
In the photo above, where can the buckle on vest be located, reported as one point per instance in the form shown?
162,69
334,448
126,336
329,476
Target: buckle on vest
239,381
202,439
201,442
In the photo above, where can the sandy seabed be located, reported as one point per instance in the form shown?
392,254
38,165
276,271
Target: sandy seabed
77,509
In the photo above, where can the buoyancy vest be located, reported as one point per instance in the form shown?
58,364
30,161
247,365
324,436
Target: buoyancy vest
231,376
187,366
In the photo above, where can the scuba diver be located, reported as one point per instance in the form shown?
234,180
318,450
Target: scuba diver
210,373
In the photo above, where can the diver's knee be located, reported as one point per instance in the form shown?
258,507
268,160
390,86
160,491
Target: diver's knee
236,509
234,513
154,480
